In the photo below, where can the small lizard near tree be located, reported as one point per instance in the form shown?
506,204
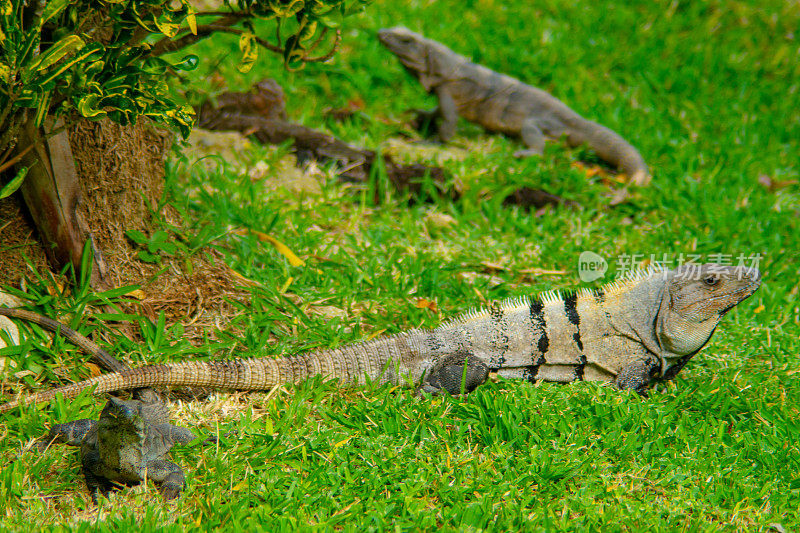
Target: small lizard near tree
127,445
630,333
500,103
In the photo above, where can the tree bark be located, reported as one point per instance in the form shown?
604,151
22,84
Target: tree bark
52,194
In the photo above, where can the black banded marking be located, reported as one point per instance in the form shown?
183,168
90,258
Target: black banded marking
499,333
571,310
599,296
528,374
543,344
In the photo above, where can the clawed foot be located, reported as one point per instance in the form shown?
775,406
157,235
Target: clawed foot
170,491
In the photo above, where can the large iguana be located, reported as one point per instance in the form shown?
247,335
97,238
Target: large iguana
500,103
630,333
128,444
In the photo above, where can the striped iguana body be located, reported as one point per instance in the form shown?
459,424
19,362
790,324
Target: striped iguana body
630,333
503,104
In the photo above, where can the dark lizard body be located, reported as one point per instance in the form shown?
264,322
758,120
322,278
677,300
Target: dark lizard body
630,333
503,104
128,444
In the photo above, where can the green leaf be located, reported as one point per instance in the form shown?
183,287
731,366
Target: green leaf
286,8
5,71
87,51
88,106
57,52
191,20
168,28
14,184
41,111
293,52
137,236
94,68
154,66
307,32
249,48
52,9
188,63
87,261
147,257
332,18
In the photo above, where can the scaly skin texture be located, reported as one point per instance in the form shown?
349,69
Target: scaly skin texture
630,333
128,444
500,103
99,356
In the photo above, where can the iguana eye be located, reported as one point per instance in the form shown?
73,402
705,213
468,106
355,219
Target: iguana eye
710,281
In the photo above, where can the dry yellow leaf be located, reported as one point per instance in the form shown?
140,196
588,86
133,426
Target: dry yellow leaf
278,245
423,303
94,370
136,293
286,285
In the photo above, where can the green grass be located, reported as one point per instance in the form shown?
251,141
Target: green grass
710,94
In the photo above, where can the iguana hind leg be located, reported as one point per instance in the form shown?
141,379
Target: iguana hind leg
454,374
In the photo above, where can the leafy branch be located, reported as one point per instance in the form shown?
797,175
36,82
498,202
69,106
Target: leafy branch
95,58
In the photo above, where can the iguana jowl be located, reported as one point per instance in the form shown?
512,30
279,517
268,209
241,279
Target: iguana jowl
631,333
500,103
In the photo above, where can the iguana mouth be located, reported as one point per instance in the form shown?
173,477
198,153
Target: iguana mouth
751,288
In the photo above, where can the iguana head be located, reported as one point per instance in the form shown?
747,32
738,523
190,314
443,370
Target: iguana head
413,50
695,299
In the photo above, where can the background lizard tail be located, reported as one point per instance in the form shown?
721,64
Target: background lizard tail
611,147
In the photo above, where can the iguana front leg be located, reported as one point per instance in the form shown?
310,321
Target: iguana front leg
446,112
71,433
168,476
91,464
454,374
424,121
639,375
533,137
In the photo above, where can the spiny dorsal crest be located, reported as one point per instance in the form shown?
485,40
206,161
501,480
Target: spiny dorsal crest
613,288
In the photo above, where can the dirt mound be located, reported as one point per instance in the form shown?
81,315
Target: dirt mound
121,173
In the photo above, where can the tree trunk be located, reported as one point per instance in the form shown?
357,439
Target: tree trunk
91,183
119,172
52,194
